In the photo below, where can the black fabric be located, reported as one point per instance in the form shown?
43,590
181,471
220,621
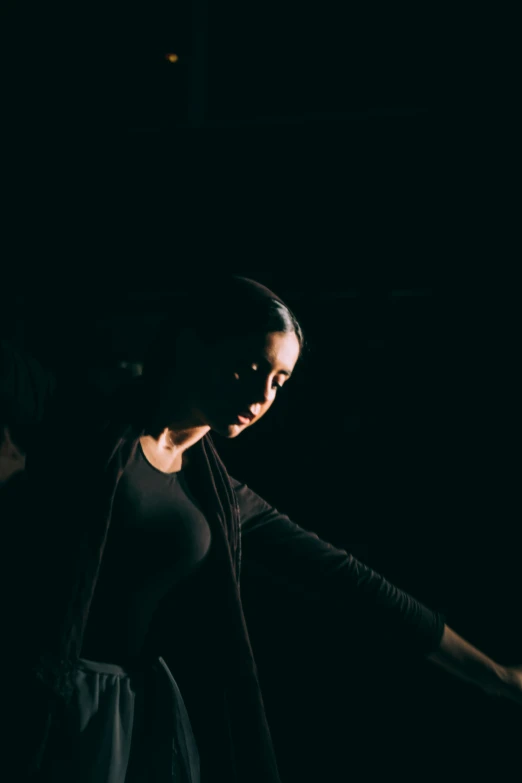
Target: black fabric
71,547
158,536
69,497
351,592
122,725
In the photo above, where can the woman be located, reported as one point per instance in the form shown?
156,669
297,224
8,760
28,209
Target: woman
136,659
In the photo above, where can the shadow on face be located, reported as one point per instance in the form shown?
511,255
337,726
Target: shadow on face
240,376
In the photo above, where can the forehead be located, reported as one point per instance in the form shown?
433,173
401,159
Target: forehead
280,349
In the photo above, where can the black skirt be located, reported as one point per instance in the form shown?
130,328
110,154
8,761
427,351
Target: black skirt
123,726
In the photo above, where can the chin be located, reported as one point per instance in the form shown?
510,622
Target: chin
228,430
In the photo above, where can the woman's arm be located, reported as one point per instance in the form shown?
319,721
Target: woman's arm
300,559
354,598
459,657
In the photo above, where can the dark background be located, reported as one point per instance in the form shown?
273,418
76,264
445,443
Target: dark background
104,64
398,441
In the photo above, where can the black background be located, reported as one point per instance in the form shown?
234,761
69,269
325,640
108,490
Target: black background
103,64
398,438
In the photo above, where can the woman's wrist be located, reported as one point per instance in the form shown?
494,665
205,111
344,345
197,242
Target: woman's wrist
501,681
511,687
465,661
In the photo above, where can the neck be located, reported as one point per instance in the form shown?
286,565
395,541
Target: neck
171,430
166,448
179,439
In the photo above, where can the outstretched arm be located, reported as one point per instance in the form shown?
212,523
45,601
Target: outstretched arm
297,557
457,656
352,596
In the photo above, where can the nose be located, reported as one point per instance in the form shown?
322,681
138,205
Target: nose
264,391
260,391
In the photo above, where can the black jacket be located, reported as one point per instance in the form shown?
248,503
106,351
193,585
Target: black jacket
59,515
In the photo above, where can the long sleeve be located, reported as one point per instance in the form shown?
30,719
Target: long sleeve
299,560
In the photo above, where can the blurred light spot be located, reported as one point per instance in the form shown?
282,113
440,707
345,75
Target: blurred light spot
172,58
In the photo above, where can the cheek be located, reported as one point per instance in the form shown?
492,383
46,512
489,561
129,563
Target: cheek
266,407
219,391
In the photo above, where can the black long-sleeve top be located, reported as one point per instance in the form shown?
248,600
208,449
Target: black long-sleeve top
57,552
159,537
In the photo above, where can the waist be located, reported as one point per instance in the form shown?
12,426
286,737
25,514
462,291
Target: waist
123,666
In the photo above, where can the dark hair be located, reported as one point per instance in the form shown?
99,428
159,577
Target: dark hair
236,306
221,308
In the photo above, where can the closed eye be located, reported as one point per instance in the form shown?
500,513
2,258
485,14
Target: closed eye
253,367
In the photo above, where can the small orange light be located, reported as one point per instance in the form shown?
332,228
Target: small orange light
172,58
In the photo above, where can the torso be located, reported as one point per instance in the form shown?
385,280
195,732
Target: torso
159,536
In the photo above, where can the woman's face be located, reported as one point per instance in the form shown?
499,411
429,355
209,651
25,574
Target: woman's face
242,376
